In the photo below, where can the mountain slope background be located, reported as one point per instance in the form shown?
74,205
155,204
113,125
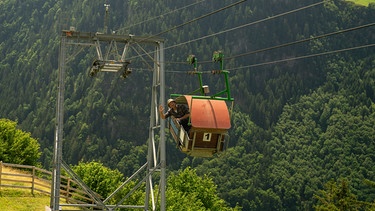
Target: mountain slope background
296,124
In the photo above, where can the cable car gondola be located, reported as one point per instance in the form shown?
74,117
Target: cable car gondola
209,118
210,122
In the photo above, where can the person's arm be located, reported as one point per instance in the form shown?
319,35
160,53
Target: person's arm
183,117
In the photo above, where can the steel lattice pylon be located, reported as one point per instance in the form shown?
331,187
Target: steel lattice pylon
156,158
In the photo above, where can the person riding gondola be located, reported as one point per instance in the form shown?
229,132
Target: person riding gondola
178,111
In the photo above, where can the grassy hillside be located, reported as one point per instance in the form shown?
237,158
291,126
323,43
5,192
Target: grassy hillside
22,200
363,2
12,199
19,199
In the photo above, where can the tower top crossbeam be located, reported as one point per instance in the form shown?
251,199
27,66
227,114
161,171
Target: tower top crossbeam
97,36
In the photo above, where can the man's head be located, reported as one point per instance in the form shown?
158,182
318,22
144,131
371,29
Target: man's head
171,102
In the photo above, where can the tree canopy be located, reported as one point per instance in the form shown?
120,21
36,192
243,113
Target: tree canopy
17,146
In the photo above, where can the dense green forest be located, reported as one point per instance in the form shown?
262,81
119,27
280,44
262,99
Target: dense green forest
304,110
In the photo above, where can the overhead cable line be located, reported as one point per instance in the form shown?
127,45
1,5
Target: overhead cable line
303,40
287,44
290,43
191,21
167,13
196,19
274,47
276,61
235,28
303,57
248,24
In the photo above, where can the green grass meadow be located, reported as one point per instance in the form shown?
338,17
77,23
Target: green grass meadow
363,2
22,200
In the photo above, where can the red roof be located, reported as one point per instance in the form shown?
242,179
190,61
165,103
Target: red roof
208,113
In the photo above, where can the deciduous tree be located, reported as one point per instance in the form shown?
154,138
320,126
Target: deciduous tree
17,146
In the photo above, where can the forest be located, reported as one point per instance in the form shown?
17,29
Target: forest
302,75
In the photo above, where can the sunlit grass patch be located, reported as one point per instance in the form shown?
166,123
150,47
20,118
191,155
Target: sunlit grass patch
362,2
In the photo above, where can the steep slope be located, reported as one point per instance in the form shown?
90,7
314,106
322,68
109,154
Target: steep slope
106,117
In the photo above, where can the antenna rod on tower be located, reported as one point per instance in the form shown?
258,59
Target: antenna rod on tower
106,5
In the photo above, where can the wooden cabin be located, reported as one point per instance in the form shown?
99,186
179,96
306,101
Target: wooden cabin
210,122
